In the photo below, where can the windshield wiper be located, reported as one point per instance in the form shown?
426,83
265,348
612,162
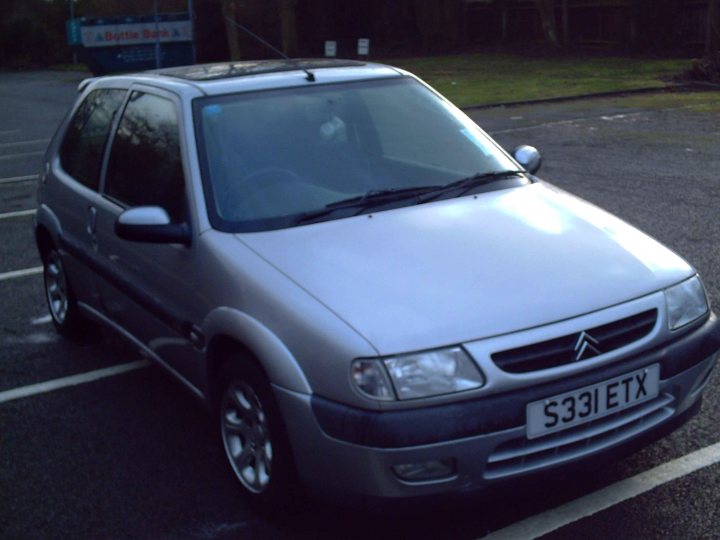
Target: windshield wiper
383,196
367,200
470,182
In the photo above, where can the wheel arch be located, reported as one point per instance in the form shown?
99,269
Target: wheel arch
47,230
219,349
44,241
229,330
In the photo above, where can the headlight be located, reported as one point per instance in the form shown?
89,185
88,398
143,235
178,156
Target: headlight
686,302
417,375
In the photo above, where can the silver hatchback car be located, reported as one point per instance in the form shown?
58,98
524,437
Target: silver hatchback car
370,294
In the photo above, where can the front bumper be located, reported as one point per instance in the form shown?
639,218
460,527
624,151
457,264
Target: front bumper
343,449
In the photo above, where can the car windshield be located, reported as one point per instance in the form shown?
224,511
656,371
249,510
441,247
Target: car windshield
281,158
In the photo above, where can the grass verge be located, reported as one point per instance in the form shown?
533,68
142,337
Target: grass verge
477,79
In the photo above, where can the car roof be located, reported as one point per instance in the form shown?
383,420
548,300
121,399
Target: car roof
242,76
227,70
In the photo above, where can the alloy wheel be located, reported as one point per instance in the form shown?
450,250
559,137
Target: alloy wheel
56,288
246,436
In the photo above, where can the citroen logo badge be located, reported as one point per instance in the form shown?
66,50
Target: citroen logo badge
586,346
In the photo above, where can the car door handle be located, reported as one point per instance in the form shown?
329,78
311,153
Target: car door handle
91,220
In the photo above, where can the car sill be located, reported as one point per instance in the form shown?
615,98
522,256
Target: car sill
144,350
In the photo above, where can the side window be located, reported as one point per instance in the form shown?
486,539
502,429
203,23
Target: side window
145,167
81,151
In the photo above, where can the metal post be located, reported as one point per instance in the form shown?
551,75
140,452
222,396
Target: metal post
504,14
72,18
157,35
192,30
709,29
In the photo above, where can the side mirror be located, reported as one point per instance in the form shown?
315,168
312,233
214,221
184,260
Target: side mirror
151,224
528,157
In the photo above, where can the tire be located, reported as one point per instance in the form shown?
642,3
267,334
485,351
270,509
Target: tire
63,307
254,436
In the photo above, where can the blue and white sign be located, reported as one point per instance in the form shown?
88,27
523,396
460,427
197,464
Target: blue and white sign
112,35
112,44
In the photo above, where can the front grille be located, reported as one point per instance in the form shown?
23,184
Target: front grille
576,347
522,455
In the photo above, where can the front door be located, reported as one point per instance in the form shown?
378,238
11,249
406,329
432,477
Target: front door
150,290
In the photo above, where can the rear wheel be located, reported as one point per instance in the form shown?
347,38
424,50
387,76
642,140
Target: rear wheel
254,436
65,313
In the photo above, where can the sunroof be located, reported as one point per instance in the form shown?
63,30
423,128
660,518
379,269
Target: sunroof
209,72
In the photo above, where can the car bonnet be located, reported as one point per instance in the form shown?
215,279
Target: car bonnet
464,269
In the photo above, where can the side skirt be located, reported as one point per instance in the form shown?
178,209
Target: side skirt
144,350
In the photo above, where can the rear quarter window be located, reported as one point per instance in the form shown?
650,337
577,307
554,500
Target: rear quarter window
81,151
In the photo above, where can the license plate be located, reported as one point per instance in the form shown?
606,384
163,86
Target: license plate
586,404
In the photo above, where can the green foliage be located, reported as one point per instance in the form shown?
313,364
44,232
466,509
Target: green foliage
708,68
705,69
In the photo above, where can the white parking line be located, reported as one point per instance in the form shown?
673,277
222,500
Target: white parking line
537,126
22,143
574,121
19,213
219,530
24,154
33,338
21,273
43,319
73,380
17,179
586,118
551,520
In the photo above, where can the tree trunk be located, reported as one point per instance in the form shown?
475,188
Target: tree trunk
504,23
288,26
231,31
547,16
713,41
440,24
713,28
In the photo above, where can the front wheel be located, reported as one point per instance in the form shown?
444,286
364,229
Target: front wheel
254,436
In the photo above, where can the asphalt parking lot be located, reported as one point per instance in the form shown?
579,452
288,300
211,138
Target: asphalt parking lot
134,456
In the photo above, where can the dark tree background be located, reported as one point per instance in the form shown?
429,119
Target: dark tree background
32,32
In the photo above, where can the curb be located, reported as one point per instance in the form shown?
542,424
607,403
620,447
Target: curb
578,97
707,84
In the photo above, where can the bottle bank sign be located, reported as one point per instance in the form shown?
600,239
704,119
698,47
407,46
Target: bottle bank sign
136,33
